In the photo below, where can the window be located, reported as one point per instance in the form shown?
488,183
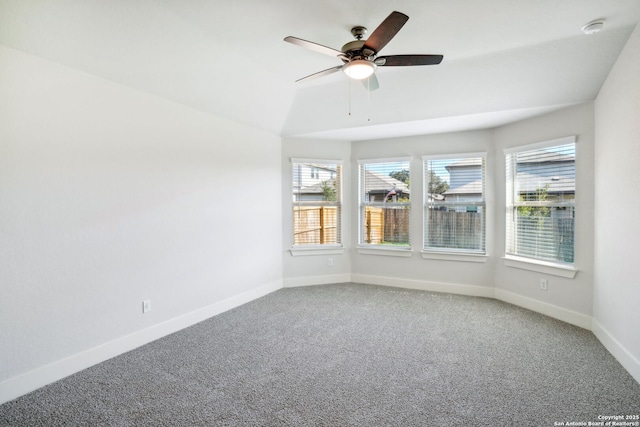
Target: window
316,202
540,201
454,203
385,203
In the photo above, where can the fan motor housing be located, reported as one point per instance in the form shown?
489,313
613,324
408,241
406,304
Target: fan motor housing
353,46
354,49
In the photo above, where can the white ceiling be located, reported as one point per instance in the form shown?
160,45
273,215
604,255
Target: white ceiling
504,60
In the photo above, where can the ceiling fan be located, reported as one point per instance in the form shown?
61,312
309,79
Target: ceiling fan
360,57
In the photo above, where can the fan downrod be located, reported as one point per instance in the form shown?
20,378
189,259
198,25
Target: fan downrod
359,32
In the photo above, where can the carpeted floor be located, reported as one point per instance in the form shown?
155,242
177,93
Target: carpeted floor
349,355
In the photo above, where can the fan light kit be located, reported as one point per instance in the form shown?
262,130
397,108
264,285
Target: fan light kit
359,69
360,57
593,27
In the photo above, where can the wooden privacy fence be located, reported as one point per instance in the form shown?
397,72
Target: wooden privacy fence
313,225
451,229
386,225
447,229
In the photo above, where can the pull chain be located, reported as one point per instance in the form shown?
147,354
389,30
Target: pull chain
369,98
349,80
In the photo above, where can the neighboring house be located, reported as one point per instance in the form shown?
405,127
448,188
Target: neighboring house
308,179
380,187
465,181
556,174
315,192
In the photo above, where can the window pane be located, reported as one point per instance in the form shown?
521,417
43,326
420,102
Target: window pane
454,204
545,233
315,225
316,203
387,225
546,175
385,203
455,228
540,196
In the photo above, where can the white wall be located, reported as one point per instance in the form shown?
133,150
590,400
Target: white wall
429,274
109,196
572,295
315,269
617,231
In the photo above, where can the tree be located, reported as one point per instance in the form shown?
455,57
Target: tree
436,184
401,175
539,195
329,193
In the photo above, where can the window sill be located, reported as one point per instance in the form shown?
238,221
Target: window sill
453,256
540,266
385,251
316,250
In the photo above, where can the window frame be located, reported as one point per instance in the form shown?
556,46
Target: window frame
532,263
318,248
380,249
454,254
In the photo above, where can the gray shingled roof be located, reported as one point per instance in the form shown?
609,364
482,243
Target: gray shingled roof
379,183
317,187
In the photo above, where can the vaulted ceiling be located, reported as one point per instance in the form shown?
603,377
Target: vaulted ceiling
504,60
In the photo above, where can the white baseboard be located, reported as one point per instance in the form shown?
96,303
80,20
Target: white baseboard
25,383
566,315
569,316
624,356
22,384
294,282
471,290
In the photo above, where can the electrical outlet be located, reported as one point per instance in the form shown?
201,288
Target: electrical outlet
543,284
330,262
146,305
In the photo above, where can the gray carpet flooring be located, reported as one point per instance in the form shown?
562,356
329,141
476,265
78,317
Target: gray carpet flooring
348,355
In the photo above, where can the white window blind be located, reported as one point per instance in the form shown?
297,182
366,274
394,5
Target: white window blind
316,202
541,188
454,204
385,203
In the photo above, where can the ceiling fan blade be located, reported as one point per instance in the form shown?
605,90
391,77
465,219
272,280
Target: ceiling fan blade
407,60
371,82
313,46
320,73
385,31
